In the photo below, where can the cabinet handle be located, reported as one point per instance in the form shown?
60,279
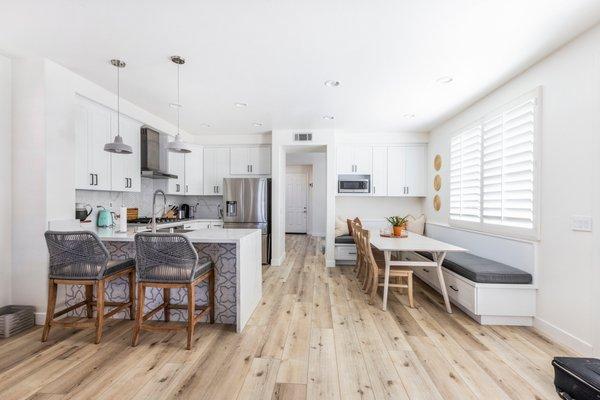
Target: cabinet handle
251,168
92,182
407,189
453,288
96,176
247,168
218,190
187,189
373,189
426,270
177,187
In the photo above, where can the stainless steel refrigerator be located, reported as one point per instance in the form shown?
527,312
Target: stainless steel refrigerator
247,203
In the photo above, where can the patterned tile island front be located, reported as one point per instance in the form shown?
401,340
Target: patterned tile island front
236,254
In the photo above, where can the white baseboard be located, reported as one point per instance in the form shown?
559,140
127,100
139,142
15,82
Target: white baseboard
330,263
40,318
562,337
276,262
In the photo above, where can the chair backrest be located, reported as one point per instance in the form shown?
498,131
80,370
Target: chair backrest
165,257
76,255
365,242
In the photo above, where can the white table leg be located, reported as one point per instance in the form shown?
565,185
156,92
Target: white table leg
439,259
386,280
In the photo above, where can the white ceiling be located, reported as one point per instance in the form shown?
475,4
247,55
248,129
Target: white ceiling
275,55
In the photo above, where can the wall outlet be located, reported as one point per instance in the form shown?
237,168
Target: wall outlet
581,223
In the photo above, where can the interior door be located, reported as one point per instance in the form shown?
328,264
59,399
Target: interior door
296,203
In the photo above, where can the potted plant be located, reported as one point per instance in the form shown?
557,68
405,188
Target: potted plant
398,224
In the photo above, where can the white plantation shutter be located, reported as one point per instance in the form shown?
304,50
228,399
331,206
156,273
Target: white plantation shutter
508,162
465,175
492,171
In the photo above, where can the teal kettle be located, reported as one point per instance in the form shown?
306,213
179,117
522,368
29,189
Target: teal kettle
105,218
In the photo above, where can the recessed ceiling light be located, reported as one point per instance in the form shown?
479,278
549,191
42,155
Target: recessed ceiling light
409,115
175,105
444,79
332,83
257,124
205,125
240,105
328,117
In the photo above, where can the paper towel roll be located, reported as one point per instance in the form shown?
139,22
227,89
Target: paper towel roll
123,220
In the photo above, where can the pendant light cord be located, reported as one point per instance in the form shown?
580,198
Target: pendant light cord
118,101
178,101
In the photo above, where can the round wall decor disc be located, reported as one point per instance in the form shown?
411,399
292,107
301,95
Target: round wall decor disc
437,203
437,162
437,182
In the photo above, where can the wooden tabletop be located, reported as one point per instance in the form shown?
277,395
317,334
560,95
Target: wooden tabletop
414,242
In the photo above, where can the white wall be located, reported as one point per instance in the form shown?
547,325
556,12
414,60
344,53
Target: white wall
568,278
318,193
5,180
377,207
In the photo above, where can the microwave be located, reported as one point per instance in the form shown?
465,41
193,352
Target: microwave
354,183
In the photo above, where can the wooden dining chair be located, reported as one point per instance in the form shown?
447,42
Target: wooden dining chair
376,270
360,258
170,261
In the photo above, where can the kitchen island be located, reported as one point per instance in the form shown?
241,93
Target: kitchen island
236,254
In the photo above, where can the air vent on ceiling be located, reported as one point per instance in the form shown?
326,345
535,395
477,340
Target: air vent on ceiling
303,137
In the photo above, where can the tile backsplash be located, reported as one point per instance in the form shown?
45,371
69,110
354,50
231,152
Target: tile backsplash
206,206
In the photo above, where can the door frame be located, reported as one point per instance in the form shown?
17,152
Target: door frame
306,171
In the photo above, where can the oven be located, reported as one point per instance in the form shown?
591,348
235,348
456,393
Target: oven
354,184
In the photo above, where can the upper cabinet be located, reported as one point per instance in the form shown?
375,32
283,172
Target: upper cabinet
379,178
194,171
253,160
176,166
409,176
125,168
216,167
354,159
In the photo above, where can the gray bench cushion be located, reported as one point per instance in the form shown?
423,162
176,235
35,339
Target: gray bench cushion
482,270
344,239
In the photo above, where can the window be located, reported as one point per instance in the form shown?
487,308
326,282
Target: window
492,171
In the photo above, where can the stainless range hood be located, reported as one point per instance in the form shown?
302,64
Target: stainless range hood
151,154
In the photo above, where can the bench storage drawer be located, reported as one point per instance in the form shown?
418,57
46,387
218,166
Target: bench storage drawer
460,291
346,252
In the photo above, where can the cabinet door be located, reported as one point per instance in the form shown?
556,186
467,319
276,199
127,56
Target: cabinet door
216,167
194,166
415,170
396,171
240,161
84,178
99,135
176,167
379,177
345,159
260,160
125,168
363,160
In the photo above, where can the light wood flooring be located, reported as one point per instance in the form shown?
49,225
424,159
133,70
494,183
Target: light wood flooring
312,336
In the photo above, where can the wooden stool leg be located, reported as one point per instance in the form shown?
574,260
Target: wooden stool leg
52,289
139,315
410,290
132,295
191,312
211,296
99,309
167,301
89,298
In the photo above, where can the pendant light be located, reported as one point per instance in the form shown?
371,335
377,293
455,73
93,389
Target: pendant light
178,145
117,146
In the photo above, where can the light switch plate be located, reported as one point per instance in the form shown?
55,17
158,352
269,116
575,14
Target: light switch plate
581,223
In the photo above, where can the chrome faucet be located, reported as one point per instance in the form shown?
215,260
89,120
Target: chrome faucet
156,192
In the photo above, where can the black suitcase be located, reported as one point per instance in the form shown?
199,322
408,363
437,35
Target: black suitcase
577,378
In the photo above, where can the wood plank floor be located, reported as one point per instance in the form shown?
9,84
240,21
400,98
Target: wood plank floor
313,336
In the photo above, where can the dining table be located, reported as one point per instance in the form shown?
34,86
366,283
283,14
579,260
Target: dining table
413,242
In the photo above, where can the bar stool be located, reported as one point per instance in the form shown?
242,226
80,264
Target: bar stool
168,261
80,258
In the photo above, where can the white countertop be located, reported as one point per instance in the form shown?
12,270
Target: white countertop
197,236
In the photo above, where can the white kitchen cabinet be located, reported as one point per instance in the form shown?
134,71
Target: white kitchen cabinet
252,160
216,167
194,171
354,159
407,171
125,168
176,162
92,132
379,177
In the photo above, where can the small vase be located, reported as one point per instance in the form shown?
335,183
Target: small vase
398,230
